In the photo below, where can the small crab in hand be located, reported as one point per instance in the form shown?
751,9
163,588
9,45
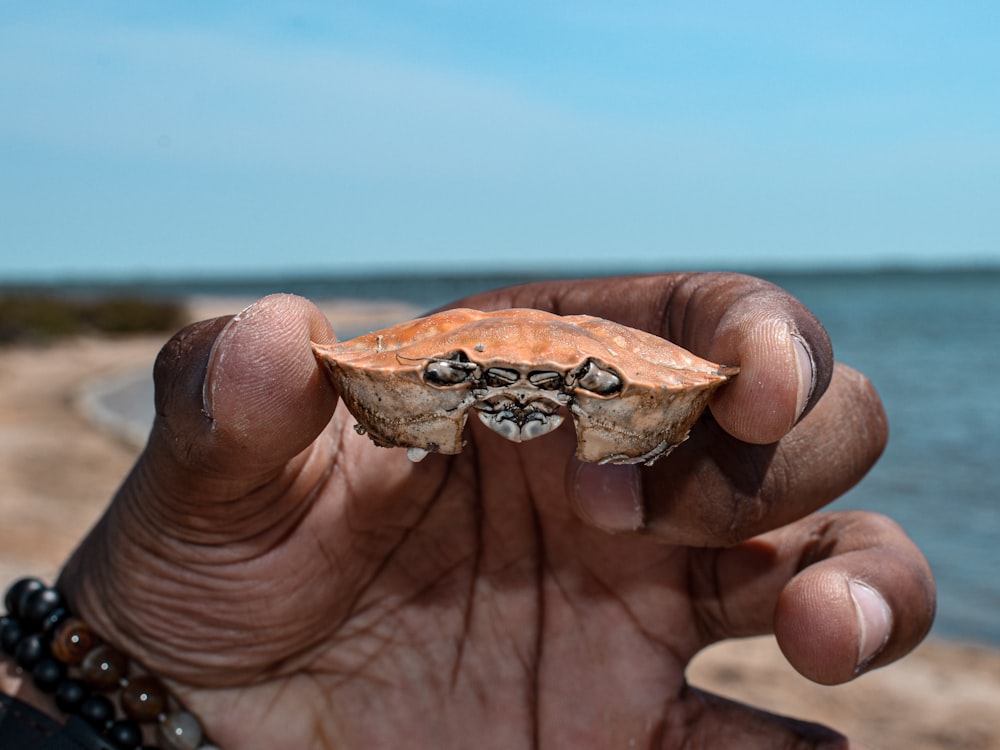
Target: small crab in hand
632,395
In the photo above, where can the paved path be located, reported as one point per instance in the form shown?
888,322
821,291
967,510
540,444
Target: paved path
122,405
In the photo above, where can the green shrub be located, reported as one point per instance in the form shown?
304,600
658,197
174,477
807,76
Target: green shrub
41,317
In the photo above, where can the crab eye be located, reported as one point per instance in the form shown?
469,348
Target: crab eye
450,370
497,377
592,377
546,380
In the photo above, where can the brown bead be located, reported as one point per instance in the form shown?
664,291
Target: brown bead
73,640
104,667
144,698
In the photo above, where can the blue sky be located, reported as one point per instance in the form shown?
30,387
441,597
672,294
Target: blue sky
188,138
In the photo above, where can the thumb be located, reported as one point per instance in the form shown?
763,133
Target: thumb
236,399
239,402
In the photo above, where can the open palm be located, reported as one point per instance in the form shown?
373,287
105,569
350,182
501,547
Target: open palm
302,588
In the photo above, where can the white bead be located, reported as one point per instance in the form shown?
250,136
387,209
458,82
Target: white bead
180,730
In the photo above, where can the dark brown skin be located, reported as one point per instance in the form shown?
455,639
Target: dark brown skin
302,588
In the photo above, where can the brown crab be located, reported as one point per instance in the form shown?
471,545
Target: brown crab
632,395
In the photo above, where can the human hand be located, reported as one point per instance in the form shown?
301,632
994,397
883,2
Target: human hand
301,588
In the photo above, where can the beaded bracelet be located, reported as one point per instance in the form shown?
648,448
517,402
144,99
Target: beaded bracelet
68,660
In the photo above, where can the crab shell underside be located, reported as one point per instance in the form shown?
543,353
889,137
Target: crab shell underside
633,396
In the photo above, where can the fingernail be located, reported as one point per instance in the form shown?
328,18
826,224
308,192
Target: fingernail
807,375
610,496
215,358
874,621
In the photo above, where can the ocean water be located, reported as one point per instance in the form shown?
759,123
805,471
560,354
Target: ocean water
931,344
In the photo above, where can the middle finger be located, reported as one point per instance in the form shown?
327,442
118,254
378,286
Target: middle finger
715,490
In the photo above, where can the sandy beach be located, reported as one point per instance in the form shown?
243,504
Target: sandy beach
59,469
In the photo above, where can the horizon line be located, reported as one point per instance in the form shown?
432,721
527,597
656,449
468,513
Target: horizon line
317,275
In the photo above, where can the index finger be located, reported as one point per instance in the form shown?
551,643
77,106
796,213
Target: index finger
783,351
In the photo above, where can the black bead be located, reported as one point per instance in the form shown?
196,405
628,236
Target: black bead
36,606
11,633
97,711
48,673
30,650
70,695
124,734
12,599
54,619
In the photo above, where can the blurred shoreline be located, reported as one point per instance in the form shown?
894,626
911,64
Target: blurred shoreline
60,469
426,289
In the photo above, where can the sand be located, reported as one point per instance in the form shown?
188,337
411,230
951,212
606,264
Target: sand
58,470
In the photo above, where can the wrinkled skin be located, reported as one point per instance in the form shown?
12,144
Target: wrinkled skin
302,588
